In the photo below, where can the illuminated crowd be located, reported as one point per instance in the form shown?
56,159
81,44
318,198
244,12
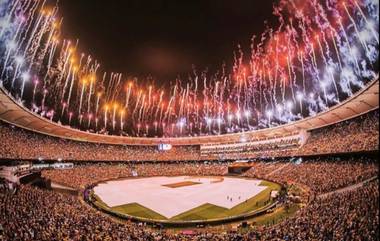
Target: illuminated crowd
277,145
349,136
82,176
359,134
351,215
22,144
319,54
319,174
39,214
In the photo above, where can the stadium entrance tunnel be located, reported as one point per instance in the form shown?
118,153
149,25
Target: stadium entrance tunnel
186,201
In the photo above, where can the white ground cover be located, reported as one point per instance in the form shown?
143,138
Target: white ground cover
170,202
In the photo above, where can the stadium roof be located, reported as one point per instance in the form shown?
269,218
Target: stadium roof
364,101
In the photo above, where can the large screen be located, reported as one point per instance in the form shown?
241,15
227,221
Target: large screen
164,147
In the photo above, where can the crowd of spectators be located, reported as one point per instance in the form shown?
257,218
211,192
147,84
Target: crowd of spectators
39,214
355,135
251,147
351,215
22,144
82,176
359,134
30,213
319,174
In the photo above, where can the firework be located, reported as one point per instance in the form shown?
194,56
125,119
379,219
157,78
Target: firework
320,54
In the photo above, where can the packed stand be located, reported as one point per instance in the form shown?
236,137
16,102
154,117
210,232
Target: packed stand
37,214
82,176
359,134
319,174
22,144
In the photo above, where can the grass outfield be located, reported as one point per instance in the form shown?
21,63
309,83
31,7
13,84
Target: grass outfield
276,216
137,210
210,211
99,201
133,209
203,212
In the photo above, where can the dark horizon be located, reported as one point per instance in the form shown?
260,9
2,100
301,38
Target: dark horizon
163,38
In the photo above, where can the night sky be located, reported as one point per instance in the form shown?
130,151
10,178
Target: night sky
163,38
